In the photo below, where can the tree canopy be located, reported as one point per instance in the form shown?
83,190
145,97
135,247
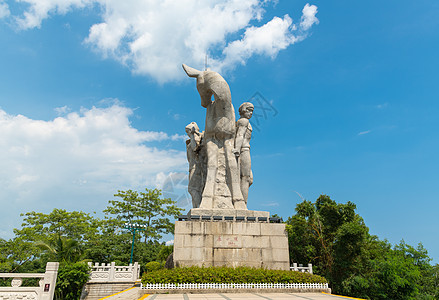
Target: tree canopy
73,238
335,239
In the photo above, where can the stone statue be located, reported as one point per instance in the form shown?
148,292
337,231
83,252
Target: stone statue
242,147
222,188
197,164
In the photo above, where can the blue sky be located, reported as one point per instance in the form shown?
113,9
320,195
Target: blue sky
93,99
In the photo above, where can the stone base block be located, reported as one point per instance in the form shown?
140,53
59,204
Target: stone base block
228,212
261,245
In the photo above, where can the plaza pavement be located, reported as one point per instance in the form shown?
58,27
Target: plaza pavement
133,294
242,296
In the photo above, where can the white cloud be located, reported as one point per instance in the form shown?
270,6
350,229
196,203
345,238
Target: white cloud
39,10
309,17
154,37
364,132
268,40
62,110
271,204
4,9
382,106
171,242
78,161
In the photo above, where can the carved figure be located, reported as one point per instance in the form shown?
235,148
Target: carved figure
222,187
242,147
197,164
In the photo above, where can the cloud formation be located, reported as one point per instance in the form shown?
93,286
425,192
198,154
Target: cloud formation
75,161
364,132
4,9
154,37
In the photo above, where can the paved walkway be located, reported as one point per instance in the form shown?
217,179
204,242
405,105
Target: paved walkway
133,294
242,296
128,294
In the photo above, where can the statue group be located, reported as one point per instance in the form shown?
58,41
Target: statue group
219,157
220,230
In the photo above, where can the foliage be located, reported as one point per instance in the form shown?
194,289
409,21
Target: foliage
165,251
75,225
330,235
5,264
71,279
327,234
71,237
228,275
145,208
336,241
62,249
46,236
153,266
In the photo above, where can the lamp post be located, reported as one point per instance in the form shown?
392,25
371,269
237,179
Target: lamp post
133,227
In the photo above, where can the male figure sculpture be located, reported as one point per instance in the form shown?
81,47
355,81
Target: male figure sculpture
242,147
196,159
222,177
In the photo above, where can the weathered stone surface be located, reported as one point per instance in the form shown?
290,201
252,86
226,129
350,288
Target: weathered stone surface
228,212
276,230
227,241
222,186
250,229
278,242
242,147
169,264
220,243
218,228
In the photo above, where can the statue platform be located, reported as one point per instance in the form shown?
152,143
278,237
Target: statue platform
237,242
228,212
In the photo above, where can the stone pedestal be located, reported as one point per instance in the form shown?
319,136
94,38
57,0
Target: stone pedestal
231,243
228,212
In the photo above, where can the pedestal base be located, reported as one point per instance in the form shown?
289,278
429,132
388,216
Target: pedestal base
231,243
228,212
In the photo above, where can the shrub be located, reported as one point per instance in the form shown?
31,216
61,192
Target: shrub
153,266
71,278
228,275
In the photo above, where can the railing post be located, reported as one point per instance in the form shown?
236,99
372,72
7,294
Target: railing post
112,271
135,271
49,281
310,268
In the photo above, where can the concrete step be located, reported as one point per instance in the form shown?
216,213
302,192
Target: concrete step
96,291
128,294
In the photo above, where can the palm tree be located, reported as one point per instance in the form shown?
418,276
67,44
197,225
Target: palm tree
62,249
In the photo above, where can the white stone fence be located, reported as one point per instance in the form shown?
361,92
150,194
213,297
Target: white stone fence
222,286
44,291
113,273
302,269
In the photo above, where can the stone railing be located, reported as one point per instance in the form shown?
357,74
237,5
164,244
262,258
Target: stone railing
113,273
44,291
300,268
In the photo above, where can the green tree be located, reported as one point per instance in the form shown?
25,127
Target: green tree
335,239
62,250
394,274
165,251
75,225
41,234
71,278
327,234
146,208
